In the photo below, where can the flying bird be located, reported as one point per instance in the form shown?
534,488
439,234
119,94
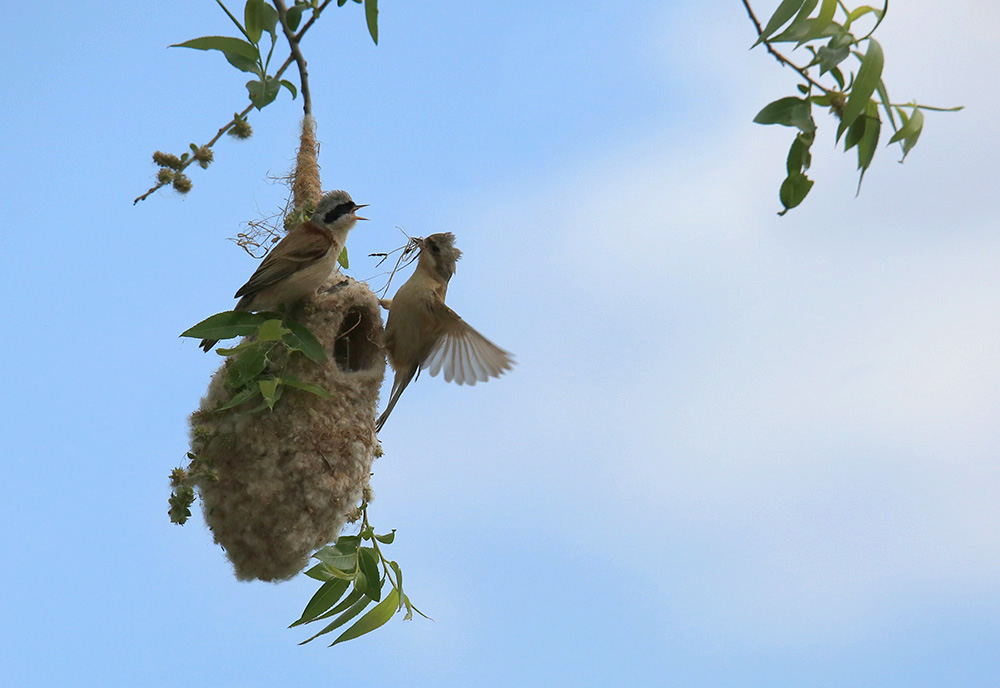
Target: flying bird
422,332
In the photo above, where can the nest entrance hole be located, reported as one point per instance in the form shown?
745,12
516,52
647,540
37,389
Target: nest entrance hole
354,348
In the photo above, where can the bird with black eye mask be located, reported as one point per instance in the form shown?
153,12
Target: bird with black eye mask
301,261
422,332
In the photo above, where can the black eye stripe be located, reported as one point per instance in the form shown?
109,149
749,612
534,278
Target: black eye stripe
337,212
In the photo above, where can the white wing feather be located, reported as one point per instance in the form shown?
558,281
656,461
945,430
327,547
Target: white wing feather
466,356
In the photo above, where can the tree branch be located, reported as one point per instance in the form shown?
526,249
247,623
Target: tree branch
300,60
293,40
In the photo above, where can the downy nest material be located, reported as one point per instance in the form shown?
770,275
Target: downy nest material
288,479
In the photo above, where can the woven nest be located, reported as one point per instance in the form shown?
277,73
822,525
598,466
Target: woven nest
289,479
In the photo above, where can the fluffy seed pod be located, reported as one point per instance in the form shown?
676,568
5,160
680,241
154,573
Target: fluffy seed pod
182,183
285,481
241,129
167,160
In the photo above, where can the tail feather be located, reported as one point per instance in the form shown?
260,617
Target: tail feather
403,378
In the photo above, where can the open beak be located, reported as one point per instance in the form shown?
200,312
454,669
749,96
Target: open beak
357,208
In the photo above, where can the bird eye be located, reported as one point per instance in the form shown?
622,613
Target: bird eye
435,248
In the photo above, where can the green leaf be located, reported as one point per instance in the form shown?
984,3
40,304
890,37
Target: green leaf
399,574
291,88
799,30
822,22
839,76
883,94
225,44
375,618
293,17
827,58
341,3
788,112
260,16
794,190
869,139
356,608
854,133
859,12
233,350
866,139
800,25
271,330
387,538
328,595
225,325
910,131
254,28
371,16
299,338
320,572
334,558
867,80
786,10
271,390
240,54
361,583
799,156
342,259
263,93
246,366
306,387
349,576
345,604
368,563
410,608
241,397
348,543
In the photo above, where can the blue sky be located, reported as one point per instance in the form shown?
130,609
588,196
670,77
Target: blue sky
737,450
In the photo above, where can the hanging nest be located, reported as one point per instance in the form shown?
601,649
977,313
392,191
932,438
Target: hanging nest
283,482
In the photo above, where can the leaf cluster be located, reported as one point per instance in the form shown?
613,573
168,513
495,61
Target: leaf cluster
247,54
259,19
825,29
354,575
255,365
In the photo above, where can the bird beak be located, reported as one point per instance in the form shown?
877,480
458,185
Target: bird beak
357,208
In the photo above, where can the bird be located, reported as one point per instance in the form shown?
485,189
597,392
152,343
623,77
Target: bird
422,332
301,261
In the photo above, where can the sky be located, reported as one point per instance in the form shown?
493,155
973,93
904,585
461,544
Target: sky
737,449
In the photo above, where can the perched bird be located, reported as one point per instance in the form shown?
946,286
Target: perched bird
301,261
422,332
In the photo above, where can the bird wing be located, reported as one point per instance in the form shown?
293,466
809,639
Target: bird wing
465,355
299,249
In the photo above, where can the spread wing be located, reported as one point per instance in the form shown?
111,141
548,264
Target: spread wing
466,356
300,248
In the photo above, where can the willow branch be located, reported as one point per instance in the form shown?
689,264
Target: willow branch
300,60
778,56
294,41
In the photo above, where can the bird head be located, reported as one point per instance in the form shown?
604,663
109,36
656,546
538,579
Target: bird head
337,212
439,254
